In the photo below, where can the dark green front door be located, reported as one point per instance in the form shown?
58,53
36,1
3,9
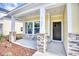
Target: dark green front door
57,31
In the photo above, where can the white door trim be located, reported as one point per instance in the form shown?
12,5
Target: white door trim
61,30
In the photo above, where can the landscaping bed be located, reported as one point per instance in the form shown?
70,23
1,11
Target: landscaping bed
10,49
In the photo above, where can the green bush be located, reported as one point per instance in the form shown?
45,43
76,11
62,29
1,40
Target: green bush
1,38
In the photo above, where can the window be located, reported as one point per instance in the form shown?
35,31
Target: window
26,27
32,26
21,28
36,27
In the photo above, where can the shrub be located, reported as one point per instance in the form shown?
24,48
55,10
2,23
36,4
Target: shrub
1,38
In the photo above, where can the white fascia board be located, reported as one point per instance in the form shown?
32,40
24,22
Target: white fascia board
55,5
2,15
17,9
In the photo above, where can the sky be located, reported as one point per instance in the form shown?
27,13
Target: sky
9,6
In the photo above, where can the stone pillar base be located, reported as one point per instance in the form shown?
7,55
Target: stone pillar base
42,42
73,44
12,36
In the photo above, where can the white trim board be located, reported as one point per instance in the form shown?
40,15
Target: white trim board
60,20
33,26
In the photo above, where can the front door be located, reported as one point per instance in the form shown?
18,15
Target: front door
57,31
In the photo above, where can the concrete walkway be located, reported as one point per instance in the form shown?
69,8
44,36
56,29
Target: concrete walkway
53,49
27,43
56,48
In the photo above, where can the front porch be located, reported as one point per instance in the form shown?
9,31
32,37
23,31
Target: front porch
38,29
46,27
53,48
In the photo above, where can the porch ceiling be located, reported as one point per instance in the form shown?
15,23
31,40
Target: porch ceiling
56,11
52,11
35,12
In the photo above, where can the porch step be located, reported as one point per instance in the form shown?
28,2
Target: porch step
43,54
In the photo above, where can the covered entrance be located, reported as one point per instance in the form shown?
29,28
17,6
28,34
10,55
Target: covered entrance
37,25
57,31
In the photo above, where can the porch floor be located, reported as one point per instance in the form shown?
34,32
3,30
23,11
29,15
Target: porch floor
56,48
53,49
27,43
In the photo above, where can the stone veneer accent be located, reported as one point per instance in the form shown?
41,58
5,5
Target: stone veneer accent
73,44
12,36
42,42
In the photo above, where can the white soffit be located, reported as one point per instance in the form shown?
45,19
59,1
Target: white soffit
33,13
34,8
56,10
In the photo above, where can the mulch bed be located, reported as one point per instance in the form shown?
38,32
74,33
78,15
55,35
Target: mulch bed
15,50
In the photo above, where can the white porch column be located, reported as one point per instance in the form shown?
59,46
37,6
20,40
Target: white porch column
33,28
42,37
49,33
69,17
69,24
73,28
24,34
48,24
13,33
42,20
13,24
23,27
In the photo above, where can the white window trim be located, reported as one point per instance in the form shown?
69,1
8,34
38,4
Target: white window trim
59,20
